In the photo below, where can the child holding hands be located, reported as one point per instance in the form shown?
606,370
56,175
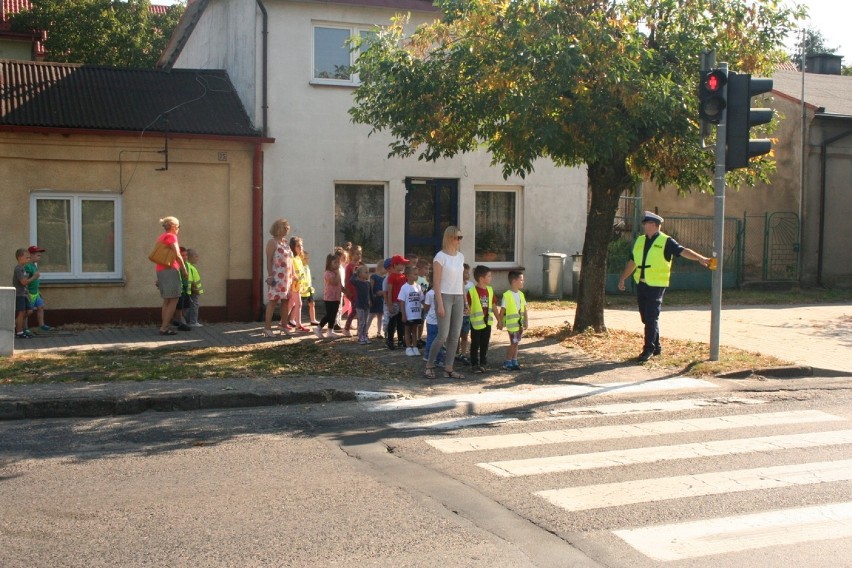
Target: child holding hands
514,318
483,313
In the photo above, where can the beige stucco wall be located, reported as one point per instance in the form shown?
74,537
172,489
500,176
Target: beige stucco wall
317,145
208,186
16,49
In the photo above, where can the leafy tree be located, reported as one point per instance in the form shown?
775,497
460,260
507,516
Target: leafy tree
100,32
814,43
606,83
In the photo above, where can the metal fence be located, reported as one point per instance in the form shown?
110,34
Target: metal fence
770,247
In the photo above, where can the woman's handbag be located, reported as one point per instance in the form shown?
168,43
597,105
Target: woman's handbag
163,254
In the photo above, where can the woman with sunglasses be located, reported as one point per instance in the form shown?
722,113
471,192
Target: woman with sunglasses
448,283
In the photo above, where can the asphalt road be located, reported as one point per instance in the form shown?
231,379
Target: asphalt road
539,481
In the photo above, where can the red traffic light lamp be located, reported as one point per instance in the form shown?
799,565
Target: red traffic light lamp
711,95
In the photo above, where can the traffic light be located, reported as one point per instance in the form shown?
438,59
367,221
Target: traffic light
741,117
711,95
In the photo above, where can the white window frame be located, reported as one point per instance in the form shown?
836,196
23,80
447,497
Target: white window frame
76,200
354,30
519,201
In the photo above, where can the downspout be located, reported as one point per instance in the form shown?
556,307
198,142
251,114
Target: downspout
822,184
257,177
264,65
257,228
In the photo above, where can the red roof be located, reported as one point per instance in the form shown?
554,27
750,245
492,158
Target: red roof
15,6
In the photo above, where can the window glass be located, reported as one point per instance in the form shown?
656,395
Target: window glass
495,239
53,227
98,239
359,217
331,53
79,235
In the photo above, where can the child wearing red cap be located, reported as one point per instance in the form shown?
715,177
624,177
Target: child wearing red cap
396,279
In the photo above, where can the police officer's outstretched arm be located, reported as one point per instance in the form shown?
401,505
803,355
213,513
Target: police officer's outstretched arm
692,255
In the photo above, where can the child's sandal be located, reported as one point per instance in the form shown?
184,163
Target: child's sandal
429,372
453,375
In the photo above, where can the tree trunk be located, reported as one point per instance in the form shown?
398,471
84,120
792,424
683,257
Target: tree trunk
607,181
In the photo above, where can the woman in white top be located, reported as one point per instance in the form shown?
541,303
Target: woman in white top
448,283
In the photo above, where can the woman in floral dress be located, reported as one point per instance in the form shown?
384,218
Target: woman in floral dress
279,273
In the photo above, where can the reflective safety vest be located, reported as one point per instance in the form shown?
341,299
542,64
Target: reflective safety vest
477,314
512,314
193,280
299,268
658,270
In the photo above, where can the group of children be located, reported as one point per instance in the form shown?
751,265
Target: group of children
28,299
26,279
399,298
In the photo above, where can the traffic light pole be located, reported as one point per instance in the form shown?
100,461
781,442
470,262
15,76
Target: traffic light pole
719,231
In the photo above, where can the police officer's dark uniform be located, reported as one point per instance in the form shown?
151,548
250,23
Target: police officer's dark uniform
651,261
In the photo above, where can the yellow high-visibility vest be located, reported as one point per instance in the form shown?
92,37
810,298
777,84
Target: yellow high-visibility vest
512,313
658,270
477,314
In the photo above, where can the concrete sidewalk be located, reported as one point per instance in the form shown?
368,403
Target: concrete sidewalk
818,336
812,336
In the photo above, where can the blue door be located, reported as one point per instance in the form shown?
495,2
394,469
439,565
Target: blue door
431,205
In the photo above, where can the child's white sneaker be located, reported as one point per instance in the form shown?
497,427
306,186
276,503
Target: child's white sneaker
332,335
318,332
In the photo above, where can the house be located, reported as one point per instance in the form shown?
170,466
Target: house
289,62
30,46
92,157
16,45
796,228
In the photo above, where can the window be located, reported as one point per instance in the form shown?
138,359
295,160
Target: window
359,217
333,57
79,235
496,226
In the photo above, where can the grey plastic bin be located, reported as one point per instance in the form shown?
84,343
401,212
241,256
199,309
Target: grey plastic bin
553,275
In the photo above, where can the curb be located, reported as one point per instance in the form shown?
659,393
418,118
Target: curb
789,372
137,404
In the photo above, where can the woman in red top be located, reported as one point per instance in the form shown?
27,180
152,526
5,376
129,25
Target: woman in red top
168,277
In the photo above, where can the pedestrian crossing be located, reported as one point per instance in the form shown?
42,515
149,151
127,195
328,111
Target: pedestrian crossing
725,437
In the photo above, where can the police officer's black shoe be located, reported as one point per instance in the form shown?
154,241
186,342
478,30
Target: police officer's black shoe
645,356
657,350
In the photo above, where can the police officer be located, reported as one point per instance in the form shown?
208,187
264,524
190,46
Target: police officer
651,267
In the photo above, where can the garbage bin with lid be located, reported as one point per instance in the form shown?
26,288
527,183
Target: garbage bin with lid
552,277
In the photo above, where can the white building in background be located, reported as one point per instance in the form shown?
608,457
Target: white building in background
288,61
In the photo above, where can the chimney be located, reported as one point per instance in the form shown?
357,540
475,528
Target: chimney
823,64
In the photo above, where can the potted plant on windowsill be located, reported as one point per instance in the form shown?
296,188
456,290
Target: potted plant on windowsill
487,246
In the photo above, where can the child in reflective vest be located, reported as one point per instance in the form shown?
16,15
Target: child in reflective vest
514,318
483,313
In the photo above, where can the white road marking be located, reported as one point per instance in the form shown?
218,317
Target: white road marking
614,458
742,532
454,423
542,393
570,435
651,406
678,487
365,396
577,413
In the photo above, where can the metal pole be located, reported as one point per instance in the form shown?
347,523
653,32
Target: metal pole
719,228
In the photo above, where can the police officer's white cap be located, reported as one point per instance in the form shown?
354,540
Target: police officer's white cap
653,217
